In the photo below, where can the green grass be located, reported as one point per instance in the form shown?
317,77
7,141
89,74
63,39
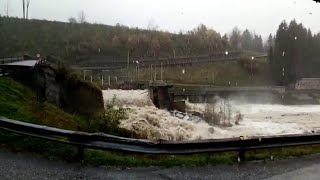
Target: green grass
219,74
19,102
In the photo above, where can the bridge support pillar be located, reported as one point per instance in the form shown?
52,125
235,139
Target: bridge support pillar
159,94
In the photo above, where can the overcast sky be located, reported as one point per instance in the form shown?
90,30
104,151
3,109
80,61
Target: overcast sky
262,16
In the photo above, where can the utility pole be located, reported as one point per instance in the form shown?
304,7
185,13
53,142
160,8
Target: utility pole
7,8
128,62
161,72
138,70
24,9
283,76
151,73
28,4
252,58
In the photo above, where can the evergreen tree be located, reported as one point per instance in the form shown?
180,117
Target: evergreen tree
247,40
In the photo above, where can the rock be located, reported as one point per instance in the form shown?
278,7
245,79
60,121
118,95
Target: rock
211,130
186,117
179,115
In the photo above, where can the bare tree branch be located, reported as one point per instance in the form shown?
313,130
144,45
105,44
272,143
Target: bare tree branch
82,17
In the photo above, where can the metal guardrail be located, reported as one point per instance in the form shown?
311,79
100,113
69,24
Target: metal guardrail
113,143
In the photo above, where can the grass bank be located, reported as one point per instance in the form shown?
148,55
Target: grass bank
219,73
19,102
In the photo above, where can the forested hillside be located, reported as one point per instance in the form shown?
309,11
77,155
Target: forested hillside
73,39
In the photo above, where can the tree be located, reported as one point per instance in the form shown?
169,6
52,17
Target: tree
280,63
235,38
247,40
132,42
155,47
257,43
116,44
270,41
25,8
82,17
225,41
293,53
152,25
72,20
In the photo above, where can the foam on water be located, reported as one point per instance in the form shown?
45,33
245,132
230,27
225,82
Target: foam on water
259,119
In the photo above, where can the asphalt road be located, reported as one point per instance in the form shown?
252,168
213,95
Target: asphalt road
27,166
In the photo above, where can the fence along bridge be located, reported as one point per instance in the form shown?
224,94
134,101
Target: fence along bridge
105,64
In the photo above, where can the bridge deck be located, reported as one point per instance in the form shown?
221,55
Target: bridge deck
20,65
30,63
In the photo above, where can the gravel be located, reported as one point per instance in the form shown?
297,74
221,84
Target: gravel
26,166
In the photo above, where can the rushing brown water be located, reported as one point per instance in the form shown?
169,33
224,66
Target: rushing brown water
259,119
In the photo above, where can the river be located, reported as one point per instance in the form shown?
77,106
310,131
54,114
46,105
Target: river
258,119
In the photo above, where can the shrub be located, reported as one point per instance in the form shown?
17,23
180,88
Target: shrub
250,66
108,122
210,115
239,118
223,117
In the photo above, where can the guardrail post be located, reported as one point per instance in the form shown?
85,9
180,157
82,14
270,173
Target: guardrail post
241,155
242,151
80,153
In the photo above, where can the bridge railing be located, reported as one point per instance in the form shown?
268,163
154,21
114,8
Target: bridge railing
129,145
232,56
10,60
178,62
182,89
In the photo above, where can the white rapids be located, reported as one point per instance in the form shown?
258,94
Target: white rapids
259,119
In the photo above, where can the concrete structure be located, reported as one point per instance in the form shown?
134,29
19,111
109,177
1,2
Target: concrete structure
159,94
308,84
17,66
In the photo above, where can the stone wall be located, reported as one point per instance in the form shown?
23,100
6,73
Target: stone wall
65,90
308,84
46,85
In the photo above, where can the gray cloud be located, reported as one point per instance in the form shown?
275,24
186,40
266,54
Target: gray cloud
262,16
